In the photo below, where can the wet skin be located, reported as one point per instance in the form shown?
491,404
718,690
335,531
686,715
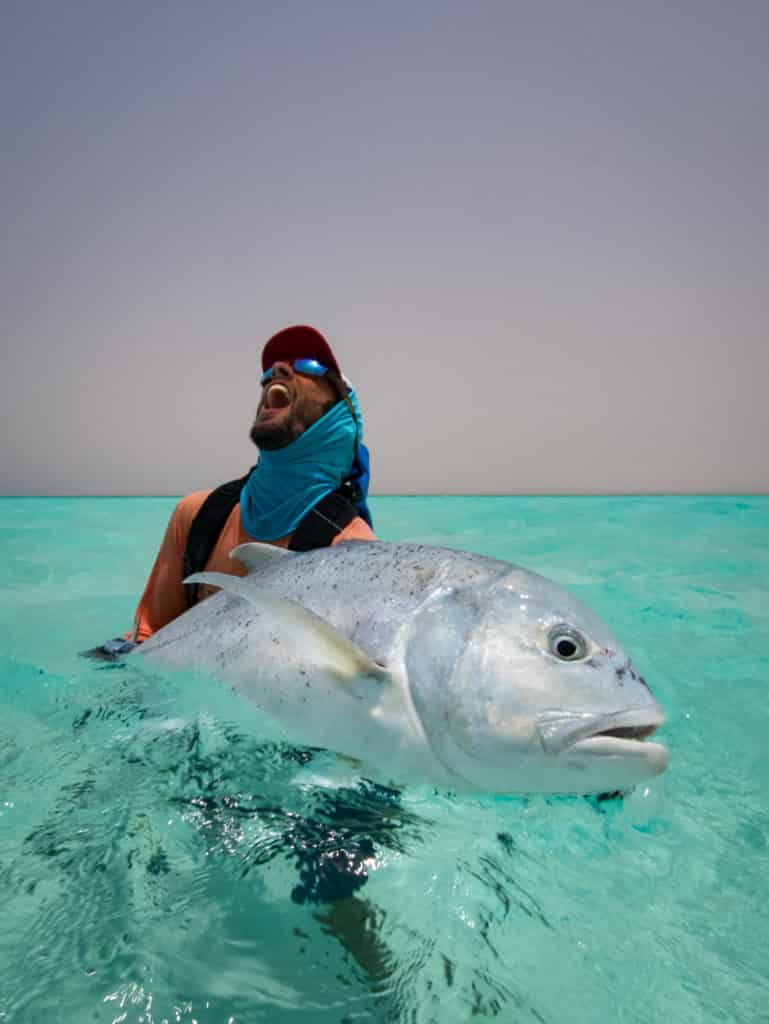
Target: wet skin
290,403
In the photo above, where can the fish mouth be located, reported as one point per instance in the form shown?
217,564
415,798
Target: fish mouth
614,732
650,758
629,732
618,738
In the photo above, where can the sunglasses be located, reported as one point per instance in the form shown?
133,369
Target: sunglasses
310,366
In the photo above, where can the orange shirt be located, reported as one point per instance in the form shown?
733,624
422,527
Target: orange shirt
164,597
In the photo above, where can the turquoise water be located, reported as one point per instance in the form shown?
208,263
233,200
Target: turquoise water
151,837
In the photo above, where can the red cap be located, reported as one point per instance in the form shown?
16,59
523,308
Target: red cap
299,342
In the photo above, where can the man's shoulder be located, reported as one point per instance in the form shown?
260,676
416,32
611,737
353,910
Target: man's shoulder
193,501
188,508
357,529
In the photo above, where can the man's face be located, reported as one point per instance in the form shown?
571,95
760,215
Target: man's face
291,402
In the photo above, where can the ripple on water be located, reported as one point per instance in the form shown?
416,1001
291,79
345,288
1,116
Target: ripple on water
160,858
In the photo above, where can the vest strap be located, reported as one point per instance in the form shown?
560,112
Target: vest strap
205,529
317,528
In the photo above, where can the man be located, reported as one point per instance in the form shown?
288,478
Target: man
307,490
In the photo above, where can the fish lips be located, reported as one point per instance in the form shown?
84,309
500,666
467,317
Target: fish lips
611,734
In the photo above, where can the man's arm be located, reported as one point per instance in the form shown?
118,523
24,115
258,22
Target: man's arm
164,598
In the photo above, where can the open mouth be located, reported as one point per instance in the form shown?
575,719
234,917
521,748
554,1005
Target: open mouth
623,744
609,748
628,732
562,731
276,396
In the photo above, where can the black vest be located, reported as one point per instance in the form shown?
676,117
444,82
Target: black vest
316,529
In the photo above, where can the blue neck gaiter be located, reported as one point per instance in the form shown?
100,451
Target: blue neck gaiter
286,483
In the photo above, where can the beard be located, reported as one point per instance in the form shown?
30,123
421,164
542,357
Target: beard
272,436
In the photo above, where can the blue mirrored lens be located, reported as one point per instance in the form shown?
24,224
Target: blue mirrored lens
311,366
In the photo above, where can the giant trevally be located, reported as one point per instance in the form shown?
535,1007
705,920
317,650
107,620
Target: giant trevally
426,664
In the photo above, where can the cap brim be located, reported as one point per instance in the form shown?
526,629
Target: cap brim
298,342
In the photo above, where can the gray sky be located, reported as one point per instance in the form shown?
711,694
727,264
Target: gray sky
535,233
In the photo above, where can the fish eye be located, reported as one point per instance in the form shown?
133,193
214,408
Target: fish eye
567,644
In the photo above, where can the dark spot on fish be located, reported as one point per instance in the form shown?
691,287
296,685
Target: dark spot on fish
621,672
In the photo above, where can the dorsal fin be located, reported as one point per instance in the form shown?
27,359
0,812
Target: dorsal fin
256,556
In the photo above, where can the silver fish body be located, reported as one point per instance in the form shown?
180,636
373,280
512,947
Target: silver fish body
428,664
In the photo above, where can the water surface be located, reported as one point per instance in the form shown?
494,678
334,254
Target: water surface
160,857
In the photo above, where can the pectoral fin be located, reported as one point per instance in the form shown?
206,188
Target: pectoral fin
297,626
